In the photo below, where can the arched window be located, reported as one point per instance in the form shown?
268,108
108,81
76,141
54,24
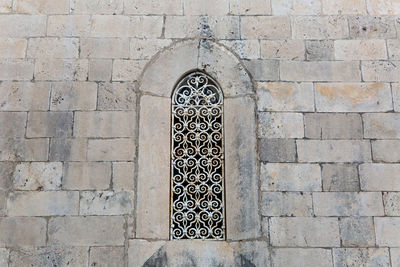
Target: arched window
197,159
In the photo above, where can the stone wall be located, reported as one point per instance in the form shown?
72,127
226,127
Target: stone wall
324,76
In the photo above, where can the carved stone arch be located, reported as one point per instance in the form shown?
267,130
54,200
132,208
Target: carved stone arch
241,177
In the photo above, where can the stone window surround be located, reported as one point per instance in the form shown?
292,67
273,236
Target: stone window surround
241,178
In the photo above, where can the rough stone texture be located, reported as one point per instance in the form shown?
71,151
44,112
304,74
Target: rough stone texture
361,257
381,126
396,96
395,254
38,176
73,96
315,27
104,48
24,96
319,50
110,149
53,47
12,47
382,71
286,204
4,255
87,176
6,174
301,257
68,149
100,69
19,149
277,150
13,124
391,201
379,177
263,70
386,229
365,27
123,175
280,125
49,124
105,203
61,69
116,96
380,150
340,177
27,231
106,256
357,231
360,50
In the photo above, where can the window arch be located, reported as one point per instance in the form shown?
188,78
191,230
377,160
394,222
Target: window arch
197,159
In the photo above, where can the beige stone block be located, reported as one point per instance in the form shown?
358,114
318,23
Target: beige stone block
6,7
24,96
48,256
61,69
320,27
20,149
296,7
360,49
23,25
27,231
340,177
4,255
381,125
68,25
50,203
361,256
154,150
42,6
125,26
357,231
265,27
391,201
255,7
353,97
343,7
12,47
86,231
319,50
6,175
301,257
111,149
100,69
147,48
347,71
103,124
290,177
73,96
123,176
53,48
141,250
12,124
333,151
395,254
16,69
304,231
127,70
348,204
280,125
279,96
106,203
38,176
116,96
287,49
387,231
106,256
68,149
156,7
380,149
393,47
245,49
286,204
385,71
383,7
3,203
263,70
379,177
206,7
49,124
370,27
104,48
87,175
97,7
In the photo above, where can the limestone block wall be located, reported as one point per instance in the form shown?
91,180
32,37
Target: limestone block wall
315,82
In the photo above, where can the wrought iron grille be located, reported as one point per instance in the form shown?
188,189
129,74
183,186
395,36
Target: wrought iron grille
197,159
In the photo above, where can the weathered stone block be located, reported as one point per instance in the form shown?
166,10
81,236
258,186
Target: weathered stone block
104,48
324,27
68,25
23,25
393,47
245,49
381,125
42,6
343,7
106,203
116,96
127,70
19,149
3,203
379,177
254,253
276,96
361,257
360,50
380,149
123,175
265,27
333,126
255,7
102,124
140,251
207,7
369,27
348,204
87,176
53,48
111,149
97,7
6,175
68,149
383,7
61,69
49,256
385,71
147,48
16,69
12,124
27,231
290,177
280,125
304,231
320,50
73,96
38,176
12,47
301,257
49,124
100,69
49,203
296,7
396,96
395,254
333,151
263,70
387,231
24,96
86,231
287,49
286,204
6,7
4,255
340,177
391,201
106,256
357,231
277,150
137,7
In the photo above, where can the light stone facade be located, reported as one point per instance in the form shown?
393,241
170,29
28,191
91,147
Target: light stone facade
312,130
